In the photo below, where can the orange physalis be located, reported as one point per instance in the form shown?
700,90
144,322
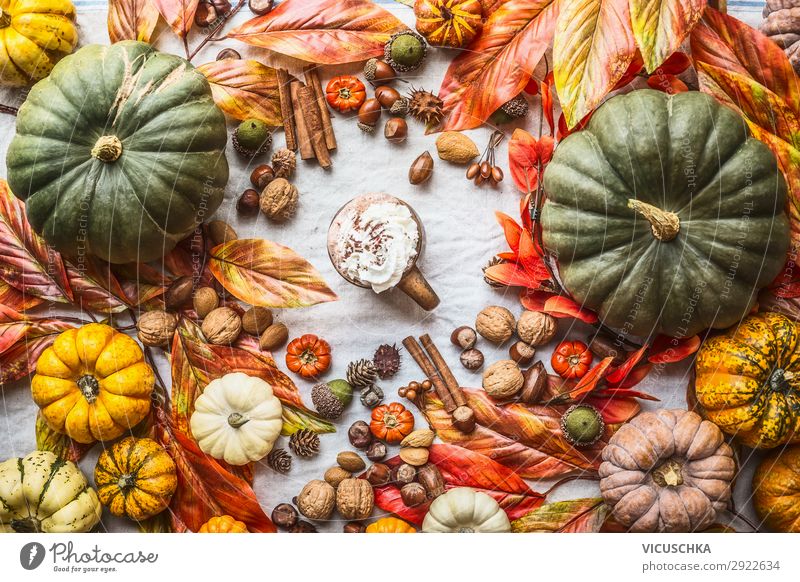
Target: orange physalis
571,359
308,356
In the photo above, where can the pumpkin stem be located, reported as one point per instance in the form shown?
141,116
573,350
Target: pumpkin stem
237,420
668,474
28,525
90,387
664,224
5,19
390,420
126,482
107,149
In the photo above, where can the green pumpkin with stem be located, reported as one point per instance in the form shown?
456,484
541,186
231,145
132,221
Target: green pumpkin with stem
665,215
119,153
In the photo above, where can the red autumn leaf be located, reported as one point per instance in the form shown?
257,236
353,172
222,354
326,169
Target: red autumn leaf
547,102
498,63
17,300
131,20
615,410
324,32
463,468
635,376
513,231
666,350
512,275
669,84
49,440
616,393
592,378
18,360
527,156
179,14
206,489
95,287
620,373
555,305
244,89
261,272
524,438
26,262
572,516
676,64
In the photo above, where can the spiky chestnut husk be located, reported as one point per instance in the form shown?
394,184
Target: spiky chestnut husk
387,361
304,443
326,402
425,106
582,425
405,51
279,460
362,373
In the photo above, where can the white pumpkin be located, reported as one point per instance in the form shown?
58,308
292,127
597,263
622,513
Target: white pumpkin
464,510
44,493
237,419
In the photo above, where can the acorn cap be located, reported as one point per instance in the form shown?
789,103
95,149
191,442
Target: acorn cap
582,425
405,51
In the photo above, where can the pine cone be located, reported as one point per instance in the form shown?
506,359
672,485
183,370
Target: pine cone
362,374
426,107
279,460
387,361
304,443
371,396
284,162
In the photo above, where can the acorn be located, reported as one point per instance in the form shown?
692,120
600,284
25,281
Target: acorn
252,138
582,425
405,51
379,71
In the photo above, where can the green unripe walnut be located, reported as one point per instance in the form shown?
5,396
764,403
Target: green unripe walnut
582,425
252,137
405,51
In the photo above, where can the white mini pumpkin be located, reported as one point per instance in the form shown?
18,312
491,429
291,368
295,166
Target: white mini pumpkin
44,493
237,419
464,510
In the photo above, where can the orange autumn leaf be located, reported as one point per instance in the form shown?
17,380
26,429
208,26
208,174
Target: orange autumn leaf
245,89
179,14
661,26
132,20
527,157
264,273
17,300
324,32
572,516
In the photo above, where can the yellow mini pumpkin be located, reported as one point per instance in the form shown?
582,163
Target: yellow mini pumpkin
390,525
223,524
135,478
34,35
93,383
776,490
748,381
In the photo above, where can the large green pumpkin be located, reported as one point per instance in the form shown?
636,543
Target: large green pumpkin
119,153
665,215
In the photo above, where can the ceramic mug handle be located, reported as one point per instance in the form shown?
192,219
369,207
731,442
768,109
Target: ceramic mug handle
415,286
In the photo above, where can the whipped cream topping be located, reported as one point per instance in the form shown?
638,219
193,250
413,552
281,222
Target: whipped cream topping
378,244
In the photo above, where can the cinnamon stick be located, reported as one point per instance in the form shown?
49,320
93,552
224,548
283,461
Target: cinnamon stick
303,136
313,121
444,370
312,79
427,367
287,112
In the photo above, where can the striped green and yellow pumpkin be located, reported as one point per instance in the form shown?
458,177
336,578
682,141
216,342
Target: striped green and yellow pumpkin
44,493
135,478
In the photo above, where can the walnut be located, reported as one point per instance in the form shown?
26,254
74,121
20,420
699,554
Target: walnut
156,328
355,499
279,200
222,326
495,323
316,499
205,301
536,328
503,379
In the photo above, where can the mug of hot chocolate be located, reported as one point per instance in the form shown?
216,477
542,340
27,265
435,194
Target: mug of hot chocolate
374,242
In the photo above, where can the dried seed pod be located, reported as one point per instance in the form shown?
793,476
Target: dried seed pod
377,451
222,326
473,171
486,170
350,461
413,494
421,169
472,359
273,337
179,293
431,479
522,353
464,337
534,384
221,232
497,174
256,320
285,515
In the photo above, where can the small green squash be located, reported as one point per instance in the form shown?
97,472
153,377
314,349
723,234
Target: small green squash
119,153
665,215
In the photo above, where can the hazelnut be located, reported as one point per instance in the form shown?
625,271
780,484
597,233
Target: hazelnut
415,456
248,202
206,300
205,15
386,95
376,451
256,319
284,515
279,200
472,359
316,500
336,475
261,176
396,129
413,494
273,337
496,324
431,479
354,527
536,328
156,328
350,461
222,326
404,473
422,437
502,379
370,112
379,474
221,232
260,7
355,499
534,384
179,293
521,353
464,419
359,434
228,53
464,337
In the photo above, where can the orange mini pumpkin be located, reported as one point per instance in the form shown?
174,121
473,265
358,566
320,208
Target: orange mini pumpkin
452,23
223,524
571,359
308,356
390,525
391,422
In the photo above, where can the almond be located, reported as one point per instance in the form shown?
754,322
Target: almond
414,456
456,147
419,438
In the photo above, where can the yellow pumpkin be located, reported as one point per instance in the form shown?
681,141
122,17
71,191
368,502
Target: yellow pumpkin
93,384
135,478
390,525
34,35
223,524
776,490
748,381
